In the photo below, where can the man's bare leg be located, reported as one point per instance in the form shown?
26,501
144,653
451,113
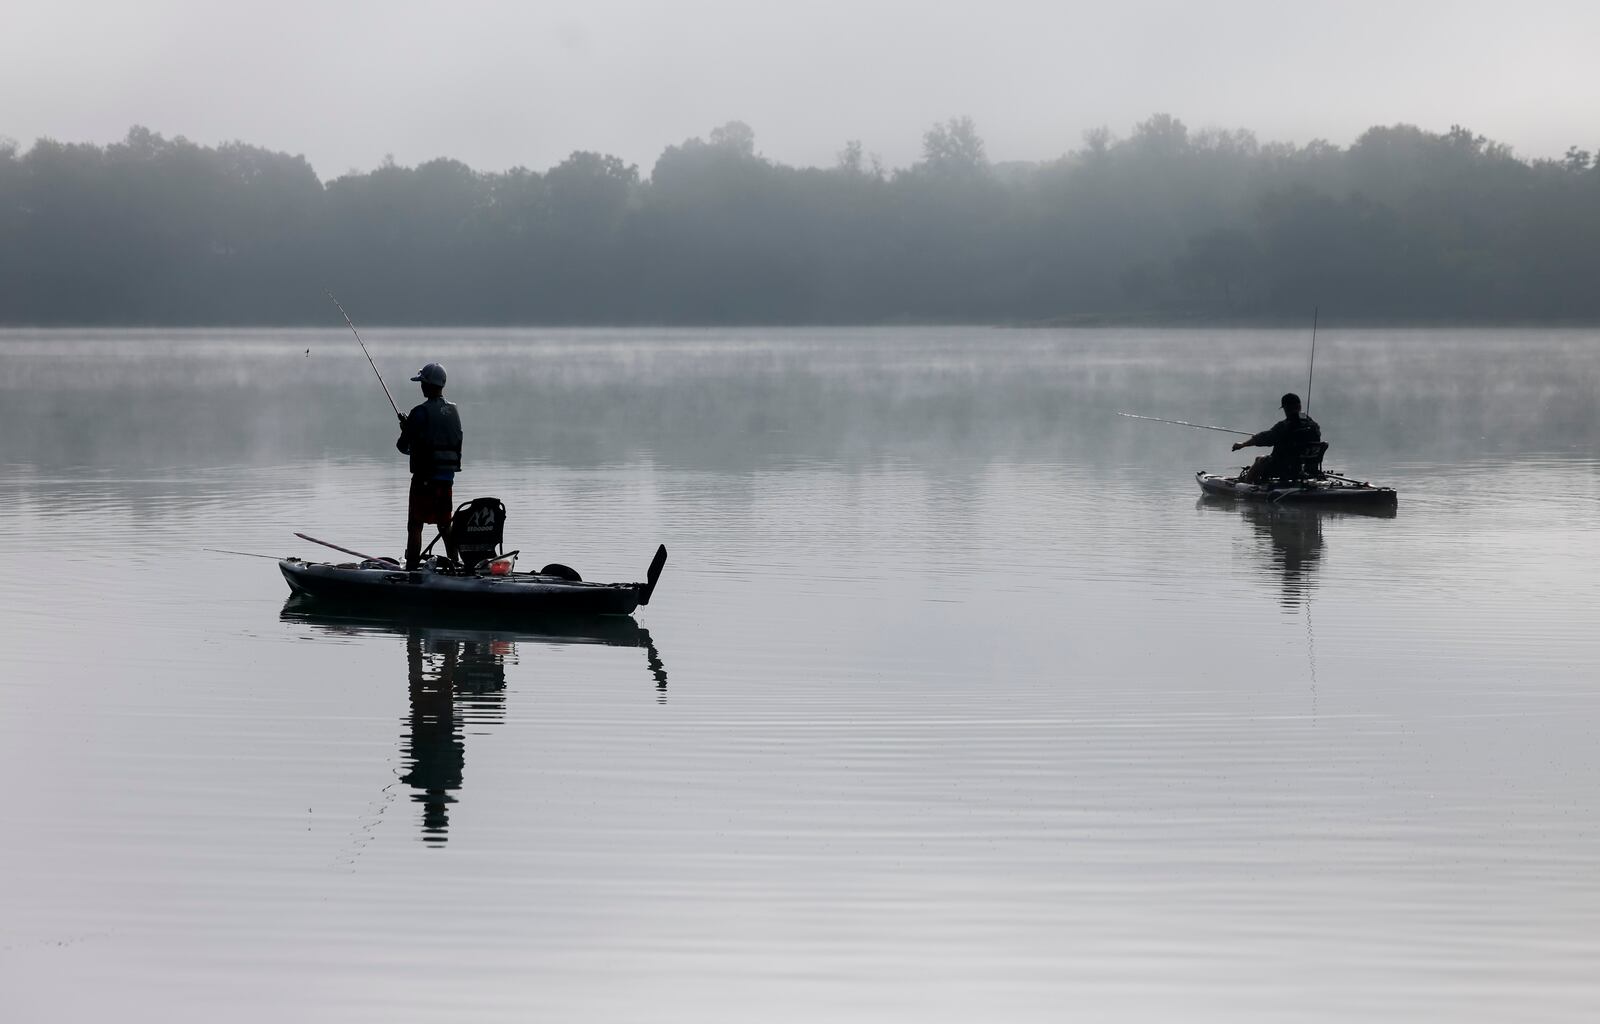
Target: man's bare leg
413,544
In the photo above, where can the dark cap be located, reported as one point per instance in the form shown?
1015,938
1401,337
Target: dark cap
433,374
1290,401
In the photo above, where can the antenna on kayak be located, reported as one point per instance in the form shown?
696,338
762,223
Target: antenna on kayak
364,352
1313,368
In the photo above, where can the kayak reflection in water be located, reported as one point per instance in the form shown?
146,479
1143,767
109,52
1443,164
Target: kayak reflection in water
1294,548
1290,539
456,678
1289,438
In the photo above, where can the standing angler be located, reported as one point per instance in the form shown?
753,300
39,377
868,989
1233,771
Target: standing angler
431,435
1289,438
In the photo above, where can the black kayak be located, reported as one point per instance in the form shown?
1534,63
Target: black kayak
372,583
1327,490
447,624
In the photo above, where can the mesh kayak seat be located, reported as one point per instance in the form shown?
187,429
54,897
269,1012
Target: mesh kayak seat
1308,466
1288,469
476,532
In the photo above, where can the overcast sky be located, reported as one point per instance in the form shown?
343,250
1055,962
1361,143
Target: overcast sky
502,84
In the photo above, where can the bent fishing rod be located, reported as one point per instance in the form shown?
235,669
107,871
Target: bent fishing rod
1186,423
370,363
1313,368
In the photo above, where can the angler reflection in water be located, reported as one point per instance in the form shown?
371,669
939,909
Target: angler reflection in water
456,679
1289,537
1293,542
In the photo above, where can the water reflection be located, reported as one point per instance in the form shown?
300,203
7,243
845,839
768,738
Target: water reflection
456,678
454,681
1290,540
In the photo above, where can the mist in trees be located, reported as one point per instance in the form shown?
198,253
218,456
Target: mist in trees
1163,224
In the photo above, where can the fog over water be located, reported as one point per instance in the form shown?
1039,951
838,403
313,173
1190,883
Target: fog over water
955,701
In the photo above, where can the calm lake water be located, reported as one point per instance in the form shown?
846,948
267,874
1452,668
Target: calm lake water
955,702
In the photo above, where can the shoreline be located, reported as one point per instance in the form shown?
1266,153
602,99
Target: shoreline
1084,321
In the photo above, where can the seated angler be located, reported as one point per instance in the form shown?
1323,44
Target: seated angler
431,435
1289,438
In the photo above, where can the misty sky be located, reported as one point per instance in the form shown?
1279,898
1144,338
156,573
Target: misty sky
502,84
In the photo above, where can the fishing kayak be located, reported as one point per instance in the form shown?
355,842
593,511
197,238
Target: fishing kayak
448,625
1328,490
374,583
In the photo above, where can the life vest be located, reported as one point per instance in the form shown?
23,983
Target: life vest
436,441
1306,430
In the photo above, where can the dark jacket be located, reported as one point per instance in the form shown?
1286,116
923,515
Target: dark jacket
431,435
1289,436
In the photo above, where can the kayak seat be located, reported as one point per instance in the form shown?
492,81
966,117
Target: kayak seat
1288,469
1310,463
477,531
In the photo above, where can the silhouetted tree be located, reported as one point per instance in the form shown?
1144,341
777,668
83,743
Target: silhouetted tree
1165,222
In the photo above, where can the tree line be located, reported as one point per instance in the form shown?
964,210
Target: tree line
1163,224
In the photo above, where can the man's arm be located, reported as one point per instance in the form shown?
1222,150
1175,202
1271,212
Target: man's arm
1261,440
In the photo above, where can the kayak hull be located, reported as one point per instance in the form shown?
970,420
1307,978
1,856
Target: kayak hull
518,595
477,627
1332,492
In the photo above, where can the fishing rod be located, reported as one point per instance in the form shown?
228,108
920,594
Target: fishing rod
370,363
1313,368
247,554
1186,423
348,551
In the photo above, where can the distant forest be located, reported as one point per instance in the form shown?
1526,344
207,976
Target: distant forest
1166,225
